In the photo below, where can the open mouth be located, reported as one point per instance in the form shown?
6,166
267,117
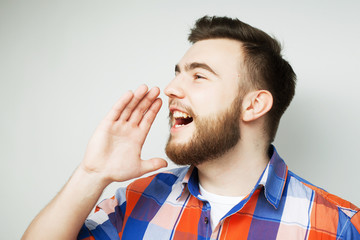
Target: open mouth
180,119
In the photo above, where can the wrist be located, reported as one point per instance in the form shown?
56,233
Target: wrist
90,179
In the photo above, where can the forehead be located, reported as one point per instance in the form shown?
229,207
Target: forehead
223,55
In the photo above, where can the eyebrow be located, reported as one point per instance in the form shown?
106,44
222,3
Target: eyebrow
195,65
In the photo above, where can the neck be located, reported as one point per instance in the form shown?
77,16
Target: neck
236,172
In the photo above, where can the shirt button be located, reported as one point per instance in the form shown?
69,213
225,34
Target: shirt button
206,220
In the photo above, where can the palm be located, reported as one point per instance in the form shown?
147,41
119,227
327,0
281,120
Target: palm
114,150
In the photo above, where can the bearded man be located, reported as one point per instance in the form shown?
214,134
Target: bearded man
225,103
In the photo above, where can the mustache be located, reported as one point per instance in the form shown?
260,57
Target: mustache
186,108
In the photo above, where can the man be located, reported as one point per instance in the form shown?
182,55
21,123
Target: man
230,90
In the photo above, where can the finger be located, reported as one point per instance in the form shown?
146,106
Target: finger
150,115
119,106
145,103
138,96
152,165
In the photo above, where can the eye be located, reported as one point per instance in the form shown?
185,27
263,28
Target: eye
198,76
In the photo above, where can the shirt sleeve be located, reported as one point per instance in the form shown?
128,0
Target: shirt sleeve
107,220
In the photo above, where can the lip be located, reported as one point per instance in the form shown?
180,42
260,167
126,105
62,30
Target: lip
174,129
175,108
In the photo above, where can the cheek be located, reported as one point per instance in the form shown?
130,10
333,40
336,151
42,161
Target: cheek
210,102
207,99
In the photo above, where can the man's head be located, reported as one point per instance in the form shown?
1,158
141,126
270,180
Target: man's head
228,60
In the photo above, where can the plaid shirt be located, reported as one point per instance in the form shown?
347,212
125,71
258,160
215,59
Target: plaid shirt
169,206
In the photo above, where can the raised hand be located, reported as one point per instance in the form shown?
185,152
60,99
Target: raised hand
113,154
114,151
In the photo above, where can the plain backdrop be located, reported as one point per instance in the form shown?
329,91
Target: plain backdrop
64,63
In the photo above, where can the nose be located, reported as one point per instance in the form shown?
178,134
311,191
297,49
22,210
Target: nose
174,89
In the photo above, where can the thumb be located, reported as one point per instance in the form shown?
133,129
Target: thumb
152,164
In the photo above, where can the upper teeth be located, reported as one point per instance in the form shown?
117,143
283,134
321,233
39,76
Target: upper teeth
178,114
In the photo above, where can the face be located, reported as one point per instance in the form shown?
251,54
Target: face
205,102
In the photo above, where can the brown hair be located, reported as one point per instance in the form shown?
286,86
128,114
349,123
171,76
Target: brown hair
264,65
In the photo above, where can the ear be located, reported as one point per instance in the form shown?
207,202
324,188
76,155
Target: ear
256,104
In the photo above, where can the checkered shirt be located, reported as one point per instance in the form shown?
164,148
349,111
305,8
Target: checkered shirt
168,205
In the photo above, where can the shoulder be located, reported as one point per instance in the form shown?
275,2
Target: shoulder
150,192
151,184
326,209
158,181
302,186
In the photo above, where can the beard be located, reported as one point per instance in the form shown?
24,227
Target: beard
213,137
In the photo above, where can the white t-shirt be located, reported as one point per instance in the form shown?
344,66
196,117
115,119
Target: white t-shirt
220,205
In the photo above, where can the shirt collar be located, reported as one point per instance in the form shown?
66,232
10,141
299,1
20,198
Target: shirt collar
273,179
190,182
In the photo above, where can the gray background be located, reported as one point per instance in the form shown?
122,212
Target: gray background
64,63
